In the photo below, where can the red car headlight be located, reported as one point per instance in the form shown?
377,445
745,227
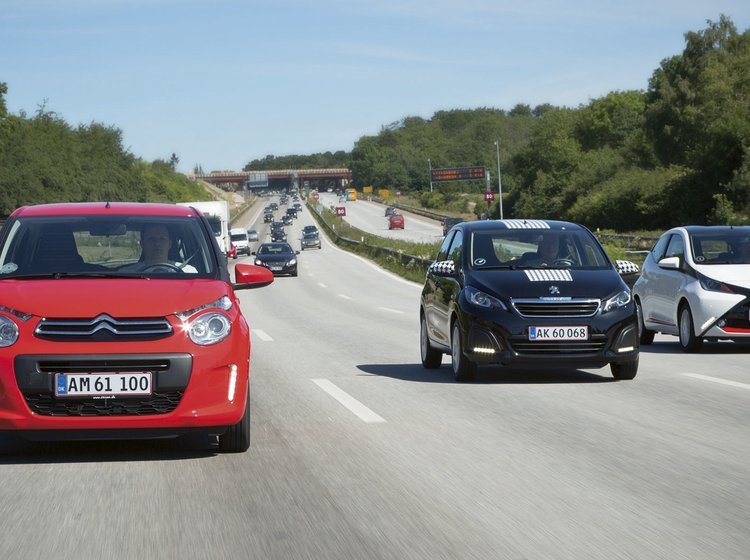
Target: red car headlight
8,332
209,328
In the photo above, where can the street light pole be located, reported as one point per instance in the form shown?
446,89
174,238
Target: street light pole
499,186
429,164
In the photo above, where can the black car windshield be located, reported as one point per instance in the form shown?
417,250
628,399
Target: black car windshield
721,247
117,245
536,249
274,249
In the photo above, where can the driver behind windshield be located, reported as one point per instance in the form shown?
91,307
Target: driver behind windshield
547,252
155,245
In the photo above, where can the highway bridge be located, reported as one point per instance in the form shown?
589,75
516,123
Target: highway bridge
254,180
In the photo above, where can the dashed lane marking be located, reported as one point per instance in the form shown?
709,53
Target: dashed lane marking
349,402
262,335
717,380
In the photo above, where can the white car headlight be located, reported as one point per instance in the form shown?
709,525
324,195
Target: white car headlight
8,332
209,328
222,303
616,302
291,262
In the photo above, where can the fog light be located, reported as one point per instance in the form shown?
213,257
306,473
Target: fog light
721,323
481,350
626,349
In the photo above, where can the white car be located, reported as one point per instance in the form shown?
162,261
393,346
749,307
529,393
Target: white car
240,240
695,284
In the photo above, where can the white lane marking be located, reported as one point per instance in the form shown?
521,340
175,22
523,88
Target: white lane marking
322,285
262,335
364,413
717,380
344,296
389,310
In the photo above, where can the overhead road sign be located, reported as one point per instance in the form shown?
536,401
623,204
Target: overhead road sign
458,173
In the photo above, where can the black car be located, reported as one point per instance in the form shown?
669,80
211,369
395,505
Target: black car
310,229
267,218
292,212
287,219
526,292
279,258
278,235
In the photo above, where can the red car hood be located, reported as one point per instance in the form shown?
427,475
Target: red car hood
116,297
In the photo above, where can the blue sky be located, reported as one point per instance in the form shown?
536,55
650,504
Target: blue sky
223,82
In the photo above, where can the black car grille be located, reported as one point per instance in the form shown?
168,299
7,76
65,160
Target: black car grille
103,328
103,366
157,403
551,348
555,307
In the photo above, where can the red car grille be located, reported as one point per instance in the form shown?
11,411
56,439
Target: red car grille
158,403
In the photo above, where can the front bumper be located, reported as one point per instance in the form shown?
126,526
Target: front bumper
202,388
613,338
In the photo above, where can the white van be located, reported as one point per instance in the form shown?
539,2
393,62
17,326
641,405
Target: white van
240,240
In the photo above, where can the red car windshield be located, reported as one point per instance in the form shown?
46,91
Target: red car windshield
164,246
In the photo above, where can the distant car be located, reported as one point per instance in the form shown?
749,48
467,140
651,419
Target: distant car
310,240
252,235
291,212
695,284
239,239
279,258
526,293
232,253
298,207
267,218
310,229
277,225
287,219
390,210
278,235
448,223
396,221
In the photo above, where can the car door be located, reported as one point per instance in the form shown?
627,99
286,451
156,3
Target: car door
447,290
669,285
432,290
649,277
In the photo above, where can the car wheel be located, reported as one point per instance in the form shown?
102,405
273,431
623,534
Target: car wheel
464,369
237,438
295,272
646,336
431,358
688,341
624,370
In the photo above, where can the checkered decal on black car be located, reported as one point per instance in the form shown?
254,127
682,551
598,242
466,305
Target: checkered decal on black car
627,267
443,267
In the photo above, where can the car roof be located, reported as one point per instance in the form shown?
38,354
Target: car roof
104,208
519,224
714,229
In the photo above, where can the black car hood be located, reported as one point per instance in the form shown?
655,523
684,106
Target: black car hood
534,283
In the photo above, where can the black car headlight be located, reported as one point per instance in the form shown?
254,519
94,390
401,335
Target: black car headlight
617,301
481,299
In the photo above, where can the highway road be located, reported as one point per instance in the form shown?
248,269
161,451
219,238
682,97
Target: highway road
370,217
360,453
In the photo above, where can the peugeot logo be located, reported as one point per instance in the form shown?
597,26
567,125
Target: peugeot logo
554,290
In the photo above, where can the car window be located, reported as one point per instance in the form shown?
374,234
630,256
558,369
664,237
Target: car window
657,252
454,251
104,244
443,252
676,247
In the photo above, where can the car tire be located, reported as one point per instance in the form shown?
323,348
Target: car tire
237,438
464,370
646,336
295,272
624,370
688,341
431,358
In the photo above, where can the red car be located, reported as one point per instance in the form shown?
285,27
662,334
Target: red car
120,321
396,221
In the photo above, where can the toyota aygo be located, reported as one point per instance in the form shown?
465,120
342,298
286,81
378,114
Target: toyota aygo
120,321
527,292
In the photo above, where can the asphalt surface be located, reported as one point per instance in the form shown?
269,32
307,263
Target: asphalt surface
359,452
